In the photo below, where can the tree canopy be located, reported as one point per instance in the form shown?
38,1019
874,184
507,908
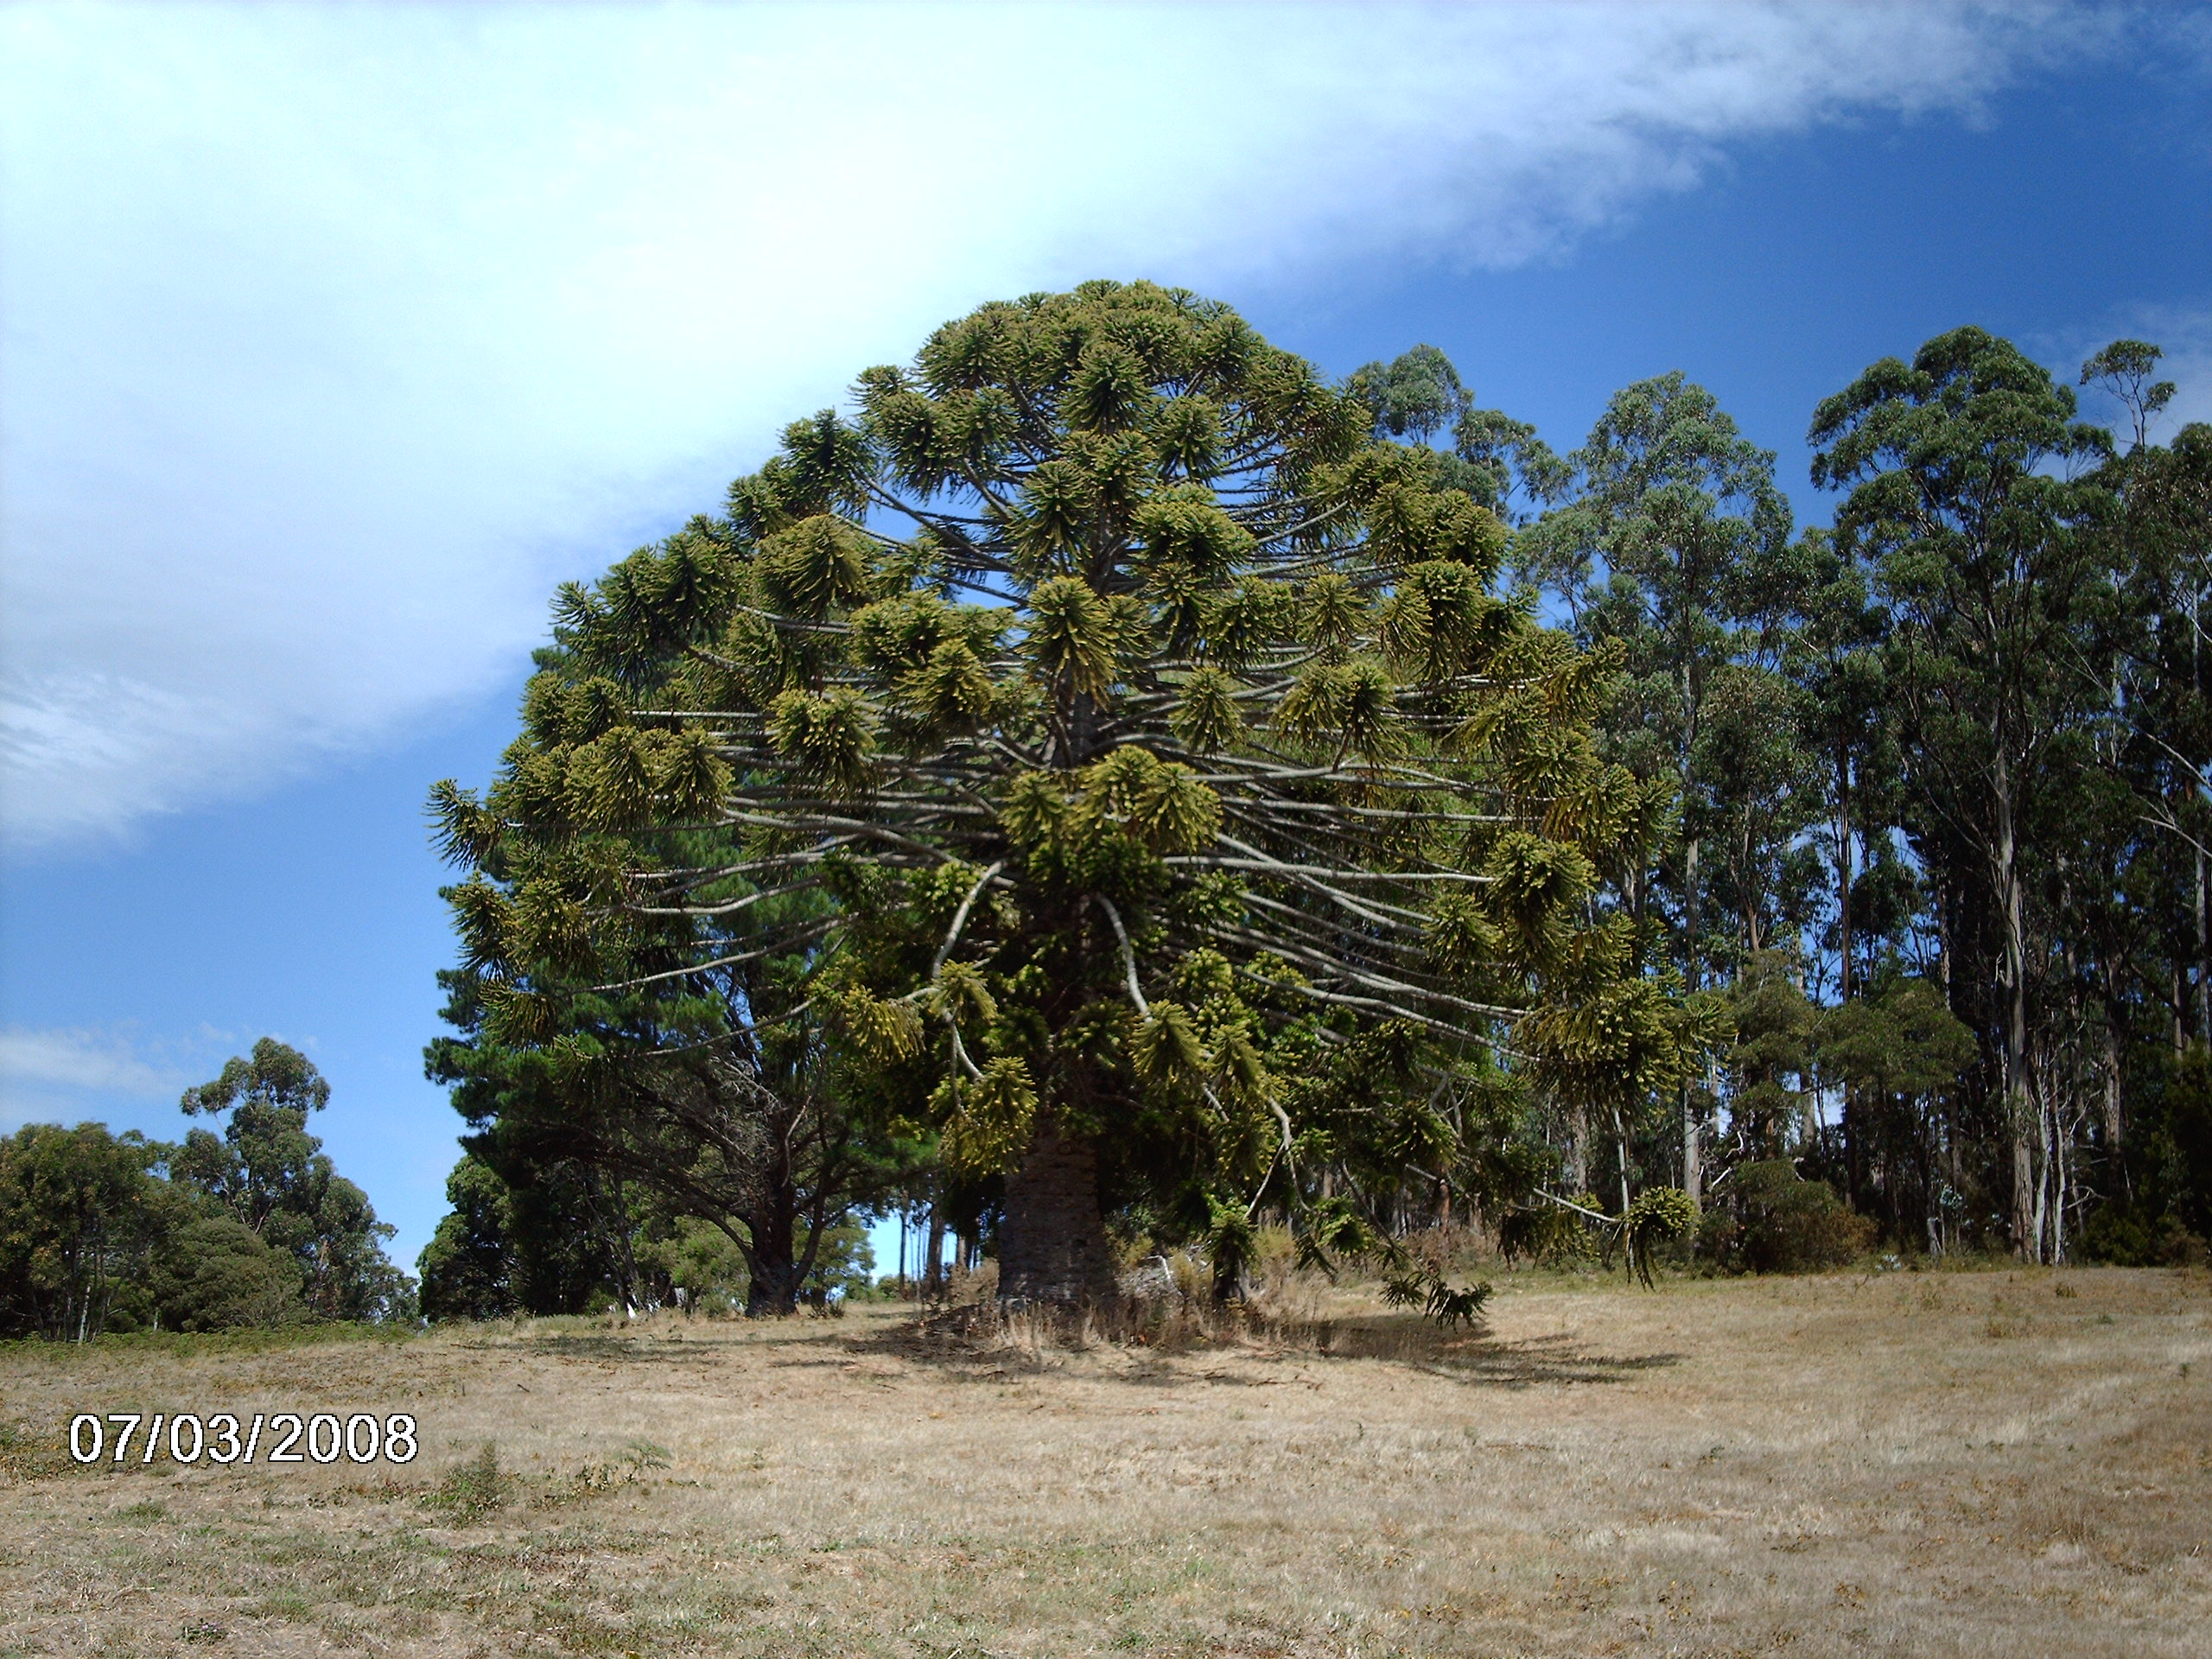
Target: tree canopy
1146,787
101,1232
1108,774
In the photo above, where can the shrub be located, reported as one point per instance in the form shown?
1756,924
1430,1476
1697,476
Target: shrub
2133,1236
217,1274
472,1490
1771,1220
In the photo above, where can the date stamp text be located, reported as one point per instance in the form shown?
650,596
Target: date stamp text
225,1437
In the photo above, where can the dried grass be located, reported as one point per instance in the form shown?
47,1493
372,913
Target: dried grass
1835,1466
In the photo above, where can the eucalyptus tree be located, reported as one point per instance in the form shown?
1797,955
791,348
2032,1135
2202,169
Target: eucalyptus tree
1498,460
1834,658
1764,788
2149,927
2159,544
1170,798
1668,541
1897,1051
83,1215
1957,467
267,1172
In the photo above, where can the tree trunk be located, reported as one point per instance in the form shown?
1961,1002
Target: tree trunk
612,1215
2062,1138
933,1264
2203,958
2023,1118
1053,1245
2039,1212
1620,1145
771,1276
1577,1163
2113,1126
1693,1130
1693,1150
1843,878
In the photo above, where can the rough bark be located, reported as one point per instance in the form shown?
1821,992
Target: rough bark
1577,1169
771,1274
1052,1248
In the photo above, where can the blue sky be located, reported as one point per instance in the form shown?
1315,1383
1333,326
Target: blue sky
332,337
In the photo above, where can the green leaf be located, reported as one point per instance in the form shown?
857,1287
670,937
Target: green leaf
1166,1049
990,1121
1071,637
831,737
818,565
1207,718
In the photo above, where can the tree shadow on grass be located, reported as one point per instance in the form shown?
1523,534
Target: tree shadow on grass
973,1350
1536,1361
1472,1356
646,1347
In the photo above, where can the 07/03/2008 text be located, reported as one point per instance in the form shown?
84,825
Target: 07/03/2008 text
224,1438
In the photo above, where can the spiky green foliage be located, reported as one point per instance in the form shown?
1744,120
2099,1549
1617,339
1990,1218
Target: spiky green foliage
1148,744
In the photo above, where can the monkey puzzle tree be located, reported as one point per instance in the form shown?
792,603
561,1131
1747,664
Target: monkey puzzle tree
1136,759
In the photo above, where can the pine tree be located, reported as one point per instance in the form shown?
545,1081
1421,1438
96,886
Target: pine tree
1154,795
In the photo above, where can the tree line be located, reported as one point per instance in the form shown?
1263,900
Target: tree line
1117,784
1940,787
103,1233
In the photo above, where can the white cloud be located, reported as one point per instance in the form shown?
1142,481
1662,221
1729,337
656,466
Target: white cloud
58,1074
332,333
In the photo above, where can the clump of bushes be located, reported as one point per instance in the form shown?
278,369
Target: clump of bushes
473,1489
1770,1219
2135,1235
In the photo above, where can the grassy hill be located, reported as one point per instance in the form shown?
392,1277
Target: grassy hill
1970,1463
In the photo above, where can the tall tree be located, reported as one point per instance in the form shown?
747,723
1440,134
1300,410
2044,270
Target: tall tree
269,1174
468,1267
1229,759
1894,1053
1498,461
1668,544
1957,468
721,1116
1834,658
2158,545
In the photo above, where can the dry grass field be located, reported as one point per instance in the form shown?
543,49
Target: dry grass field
2000,1463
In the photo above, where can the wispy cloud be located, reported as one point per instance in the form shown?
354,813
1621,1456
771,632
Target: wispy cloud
63,1073
331,333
